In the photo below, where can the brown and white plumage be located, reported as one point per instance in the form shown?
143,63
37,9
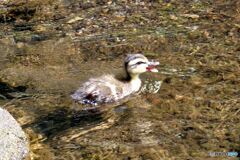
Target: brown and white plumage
110,88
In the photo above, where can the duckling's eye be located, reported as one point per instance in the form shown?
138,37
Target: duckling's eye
139,63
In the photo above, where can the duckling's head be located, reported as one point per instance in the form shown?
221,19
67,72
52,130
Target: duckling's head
136,64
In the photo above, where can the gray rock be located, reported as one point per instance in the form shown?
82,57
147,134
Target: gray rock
13,141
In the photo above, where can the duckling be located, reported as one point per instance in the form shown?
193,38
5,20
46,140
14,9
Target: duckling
111,88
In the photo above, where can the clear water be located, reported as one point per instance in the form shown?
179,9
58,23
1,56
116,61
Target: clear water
46,58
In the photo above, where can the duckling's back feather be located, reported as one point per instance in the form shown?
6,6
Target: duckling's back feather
103,89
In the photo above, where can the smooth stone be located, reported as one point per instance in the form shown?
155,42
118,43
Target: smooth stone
36,37
13,141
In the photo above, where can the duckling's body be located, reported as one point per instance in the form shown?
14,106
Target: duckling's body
110,88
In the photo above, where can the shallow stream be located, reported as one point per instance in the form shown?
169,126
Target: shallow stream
48,51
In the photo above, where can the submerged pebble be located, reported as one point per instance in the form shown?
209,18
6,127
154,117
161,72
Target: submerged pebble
151,86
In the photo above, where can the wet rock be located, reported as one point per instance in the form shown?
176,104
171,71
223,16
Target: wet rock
36,37
173,17
13,141
75,19
193,16
20,45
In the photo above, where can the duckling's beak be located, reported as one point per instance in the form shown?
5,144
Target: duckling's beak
151,66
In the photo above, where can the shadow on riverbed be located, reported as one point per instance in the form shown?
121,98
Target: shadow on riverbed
62,119
6,90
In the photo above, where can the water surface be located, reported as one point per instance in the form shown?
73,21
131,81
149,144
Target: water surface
48,52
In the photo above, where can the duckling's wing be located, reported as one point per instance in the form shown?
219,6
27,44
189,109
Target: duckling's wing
102,89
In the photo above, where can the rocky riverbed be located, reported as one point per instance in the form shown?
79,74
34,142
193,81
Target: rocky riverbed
48,48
